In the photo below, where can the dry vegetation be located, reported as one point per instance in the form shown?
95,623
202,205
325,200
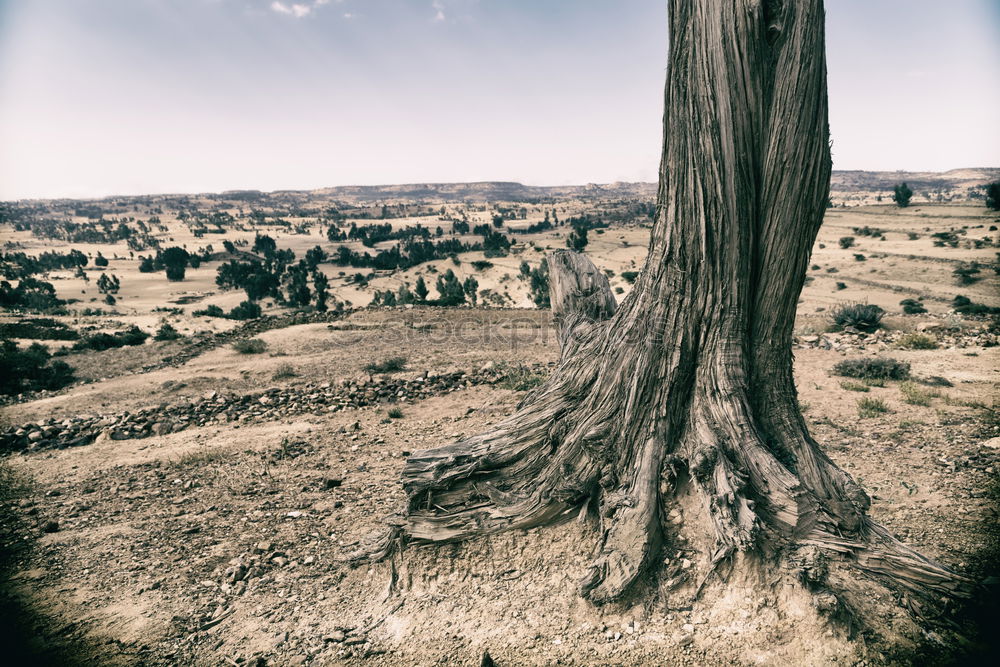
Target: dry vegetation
222,543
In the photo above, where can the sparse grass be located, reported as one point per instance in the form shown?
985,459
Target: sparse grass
851,385
283,372
873,368
520,378
250,346
201,457
874,382
917,341
871,407
389,365
395,413
914,394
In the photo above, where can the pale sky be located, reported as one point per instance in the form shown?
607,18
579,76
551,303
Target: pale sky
101,97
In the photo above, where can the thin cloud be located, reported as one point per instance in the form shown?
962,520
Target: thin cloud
438,7
299,9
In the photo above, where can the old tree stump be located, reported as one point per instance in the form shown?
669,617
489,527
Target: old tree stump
688,383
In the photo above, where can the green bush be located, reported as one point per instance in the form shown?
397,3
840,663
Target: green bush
914,394
30,369
250,346
871,407
395,413
846,242
247,310
210,311
38,328
873,368
167,332
850,385
630,276
861,316
912,307
390,365
917,341
967,274
965,306
105,341
520,378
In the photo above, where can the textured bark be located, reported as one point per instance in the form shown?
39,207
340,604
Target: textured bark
691,377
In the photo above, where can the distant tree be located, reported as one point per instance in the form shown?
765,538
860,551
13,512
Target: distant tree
100,260
175,260
993,195
404,296
901,194
320,286
450,289
108,284
264,245
577,239
470,287
539,286
315,256
420,290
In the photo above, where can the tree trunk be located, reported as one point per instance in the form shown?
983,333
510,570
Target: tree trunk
689,382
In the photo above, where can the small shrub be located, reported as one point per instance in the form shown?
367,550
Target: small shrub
846,242
105,341
390,365
965,306
914,394
630,276
520,378
917,341
861,316
967,274
871,407
250,346
841,285
167,332
850,385
873,368
395,413
210,311
481,265
30,369
912,307
283,372
858,257
247,310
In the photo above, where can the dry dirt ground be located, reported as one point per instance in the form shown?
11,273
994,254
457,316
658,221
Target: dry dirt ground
223,544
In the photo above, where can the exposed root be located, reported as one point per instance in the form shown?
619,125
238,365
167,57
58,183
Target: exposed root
631,534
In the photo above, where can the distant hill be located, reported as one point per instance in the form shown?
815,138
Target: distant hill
876,181
842,181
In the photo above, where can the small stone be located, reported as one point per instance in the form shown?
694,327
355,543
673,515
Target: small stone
687,627
50,526
332,483
335,636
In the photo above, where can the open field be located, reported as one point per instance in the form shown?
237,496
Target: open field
206,515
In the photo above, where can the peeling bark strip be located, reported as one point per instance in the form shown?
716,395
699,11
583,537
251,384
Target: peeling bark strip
694,368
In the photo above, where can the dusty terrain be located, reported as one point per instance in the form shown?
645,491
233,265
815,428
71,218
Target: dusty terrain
209,520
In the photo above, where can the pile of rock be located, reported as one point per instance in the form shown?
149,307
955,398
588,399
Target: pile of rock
216,408
852,340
